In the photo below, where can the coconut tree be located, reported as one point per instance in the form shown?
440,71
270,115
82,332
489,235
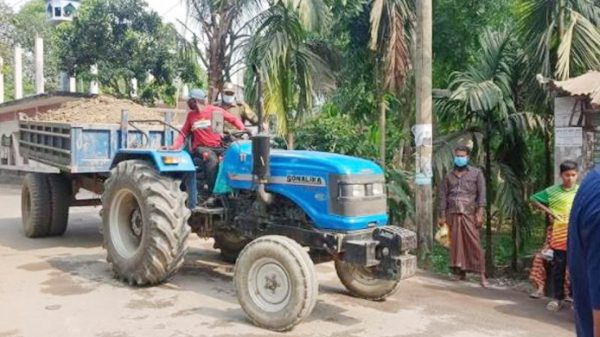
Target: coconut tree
482,108
219,32
392,26
294,68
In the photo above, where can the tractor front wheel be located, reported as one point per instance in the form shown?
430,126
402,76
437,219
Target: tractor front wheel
275,282
362,282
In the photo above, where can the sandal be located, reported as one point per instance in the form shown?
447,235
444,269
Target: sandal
537,294
454,277
554,306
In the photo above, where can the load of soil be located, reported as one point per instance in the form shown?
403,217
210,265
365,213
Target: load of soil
103,109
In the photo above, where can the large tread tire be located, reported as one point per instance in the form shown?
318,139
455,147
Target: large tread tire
161,246
35,205
263,258
361,282
230,244
60,201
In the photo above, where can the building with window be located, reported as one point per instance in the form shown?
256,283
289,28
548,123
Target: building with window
61,10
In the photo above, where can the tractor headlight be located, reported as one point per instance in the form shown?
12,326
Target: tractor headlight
352,191
378,189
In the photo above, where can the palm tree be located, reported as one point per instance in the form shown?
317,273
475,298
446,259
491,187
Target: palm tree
482,108
562,39
392,25
220,30
289,62
563,36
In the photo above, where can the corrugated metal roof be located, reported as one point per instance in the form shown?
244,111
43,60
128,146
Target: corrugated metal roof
585,85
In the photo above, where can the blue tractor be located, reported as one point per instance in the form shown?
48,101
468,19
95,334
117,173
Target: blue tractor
278,213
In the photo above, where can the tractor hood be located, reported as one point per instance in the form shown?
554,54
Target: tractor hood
314,181
239,160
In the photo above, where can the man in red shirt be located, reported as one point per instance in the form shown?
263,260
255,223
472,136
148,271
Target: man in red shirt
204,140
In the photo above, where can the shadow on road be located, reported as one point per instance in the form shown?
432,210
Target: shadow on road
83,232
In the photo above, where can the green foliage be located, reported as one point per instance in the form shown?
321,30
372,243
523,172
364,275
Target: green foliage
21,28
562,37
126,41
335,133
289,63
457,27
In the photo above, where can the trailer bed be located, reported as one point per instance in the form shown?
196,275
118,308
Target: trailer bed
84,148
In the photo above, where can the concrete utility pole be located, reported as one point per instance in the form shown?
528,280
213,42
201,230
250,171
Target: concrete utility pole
39,65
423,133
18,72
72,84
94,87
1,81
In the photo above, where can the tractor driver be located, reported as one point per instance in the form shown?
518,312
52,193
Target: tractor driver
205,141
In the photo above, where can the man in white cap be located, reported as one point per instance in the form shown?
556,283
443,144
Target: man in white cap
238,109
204,139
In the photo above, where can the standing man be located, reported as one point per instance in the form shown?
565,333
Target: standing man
462,206
583,255
240,110
205,142
556,202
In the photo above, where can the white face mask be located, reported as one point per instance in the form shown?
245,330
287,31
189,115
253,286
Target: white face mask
228,99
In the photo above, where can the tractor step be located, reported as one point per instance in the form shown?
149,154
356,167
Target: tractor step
209,210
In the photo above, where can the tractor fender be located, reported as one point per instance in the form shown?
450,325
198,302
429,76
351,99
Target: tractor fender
163,161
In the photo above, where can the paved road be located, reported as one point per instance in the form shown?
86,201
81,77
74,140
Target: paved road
63,287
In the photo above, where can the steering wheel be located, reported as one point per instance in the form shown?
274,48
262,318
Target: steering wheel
239,134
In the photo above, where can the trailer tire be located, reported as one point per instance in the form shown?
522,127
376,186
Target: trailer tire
35,205
60,201
361,283
275,282
144,223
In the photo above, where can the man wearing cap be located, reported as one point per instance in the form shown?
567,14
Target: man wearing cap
240,110
204,139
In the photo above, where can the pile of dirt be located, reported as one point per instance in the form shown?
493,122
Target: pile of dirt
100,109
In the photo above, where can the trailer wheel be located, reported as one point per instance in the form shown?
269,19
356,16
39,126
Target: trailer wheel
230,244
35,205
60,201
361,282
144,223
275,282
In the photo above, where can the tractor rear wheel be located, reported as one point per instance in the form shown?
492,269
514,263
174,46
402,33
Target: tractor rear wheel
362,282
275,282
144,223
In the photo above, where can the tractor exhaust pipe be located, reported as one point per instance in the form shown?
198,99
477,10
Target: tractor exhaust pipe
261,150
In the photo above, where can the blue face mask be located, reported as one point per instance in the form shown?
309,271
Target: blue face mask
461,161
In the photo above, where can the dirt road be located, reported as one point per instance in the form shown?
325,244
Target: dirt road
63,287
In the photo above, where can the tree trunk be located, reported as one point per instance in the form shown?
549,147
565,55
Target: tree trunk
549,179
382,130
290,140
515,239
489,250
